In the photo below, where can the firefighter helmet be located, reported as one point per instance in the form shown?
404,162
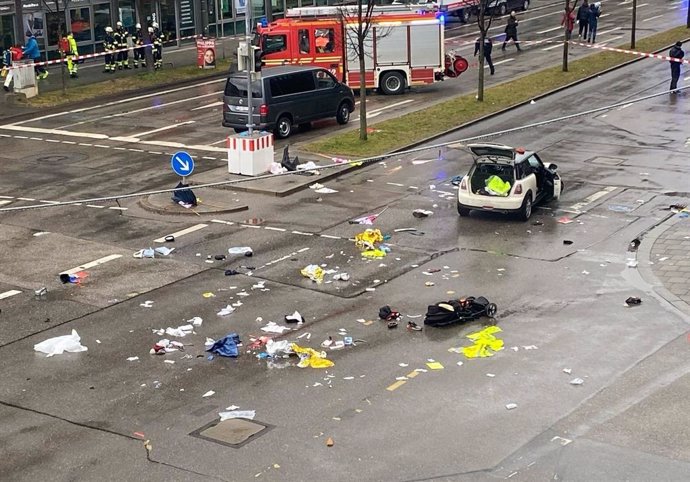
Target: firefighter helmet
109,29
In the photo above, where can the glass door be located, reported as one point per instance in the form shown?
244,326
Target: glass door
7,31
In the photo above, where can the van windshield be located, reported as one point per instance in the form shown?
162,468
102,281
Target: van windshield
237,87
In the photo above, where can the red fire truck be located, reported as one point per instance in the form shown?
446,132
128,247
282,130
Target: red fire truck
403,47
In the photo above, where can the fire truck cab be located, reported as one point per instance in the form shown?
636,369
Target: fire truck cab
403,47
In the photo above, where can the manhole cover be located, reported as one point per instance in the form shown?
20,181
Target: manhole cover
608,161
233,433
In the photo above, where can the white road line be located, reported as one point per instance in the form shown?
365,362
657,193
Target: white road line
501,62
135,150
92,264
25,199
101,146
253,226
207,106
40,130
188,230
395,184
376,112
36,138
52,140
21,137
94,206
49,202
117,102
590,199
639,6
328,236
271,228
85,144
9,293
559,27
652,18
166,128
222,222
6,197
209,158
68,142
117,208
155,152
2,203
303,234
160,106
120,148
608,31
302,250
552,47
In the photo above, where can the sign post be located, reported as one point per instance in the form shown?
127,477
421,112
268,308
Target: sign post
182,164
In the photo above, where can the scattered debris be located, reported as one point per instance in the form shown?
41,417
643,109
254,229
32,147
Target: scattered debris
296,317
634,244
74,278
133,358
180,332
434,365
632,263
246,414
245,250
368,219
210,393
226,346
341,277
454,311
329,442
633,301
511,406
321,189
151,252
565,220
485,343
577,381
273,327
226,311
58,345
421,213
314,272
568,370
412,326
166,346
567,242
146,304
311,358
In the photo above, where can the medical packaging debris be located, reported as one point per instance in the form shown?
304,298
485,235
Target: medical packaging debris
166,346
296,317
151,252
196,321
511,406
58,345
369,219
275,348
245,250
226,311
633,301
341,277
314,272
246,414
321,189
577,381
311,358
180,331
226,346
74,278
273,327
485,343
421,213
210,393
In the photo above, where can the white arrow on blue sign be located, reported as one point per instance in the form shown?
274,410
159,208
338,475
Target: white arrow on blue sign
182,163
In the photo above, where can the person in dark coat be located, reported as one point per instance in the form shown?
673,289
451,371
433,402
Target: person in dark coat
594,12
511,32
583,19
488,47
677,53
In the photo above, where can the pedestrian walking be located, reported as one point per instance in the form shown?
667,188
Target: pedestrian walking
583,19
511,31
139,53
32,52
109,47
488,47
594,12
72,55
10,56
157,46
568,20
676,52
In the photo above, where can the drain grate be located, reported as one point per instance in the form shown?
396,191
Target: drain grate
235,432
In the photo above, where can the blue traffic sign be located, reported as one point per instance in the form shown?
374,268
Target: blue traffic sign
182,163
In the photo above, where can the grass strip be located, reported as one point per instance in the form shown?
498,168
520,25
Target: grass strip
123,84
394,133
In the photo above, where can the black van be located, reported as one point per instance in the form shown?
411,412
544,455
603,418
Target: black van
284,97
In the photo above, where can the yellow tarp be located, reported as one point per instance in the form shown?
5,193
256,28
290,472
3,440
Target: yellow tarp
485,343
373,253
368,239
311,358
314,272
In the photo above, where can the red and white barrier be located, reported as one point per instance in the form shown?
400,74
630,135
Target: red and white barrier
250,156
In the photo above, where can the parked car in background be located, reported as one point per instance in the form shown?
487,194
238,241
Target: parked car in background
507,180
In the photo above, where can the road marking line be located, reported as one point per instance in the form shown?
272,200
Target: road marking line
608,31
49,202
9,293
593,197
652,18
639,6
94,206
328,236
302,250
41,130
101,146
85,144
303,234
396,385
253,226
25,199
412,374
21,137
376,112
500,62
209,158
92,264
213,104
6,197
271,228
549,30
166,128
552,47
222,222
2,203
118,208
36,138
120,148
188,230
395,184
155,152
625,106
160,106
135,150
52,140
68,142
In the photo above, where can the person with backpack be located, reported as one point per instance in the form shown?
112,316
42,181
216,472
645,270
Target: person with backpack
511,32
10,56
676,52
583,20
32,52
594,12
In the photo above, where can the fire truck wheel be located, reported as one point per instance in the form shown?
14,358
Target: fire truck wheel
392,83
343,115
283,127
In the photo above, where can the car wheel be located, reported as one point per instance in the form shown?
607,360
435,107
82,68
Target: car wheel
463,212
343,115
283,127
526,209
491,310
392,83
502,9
525,5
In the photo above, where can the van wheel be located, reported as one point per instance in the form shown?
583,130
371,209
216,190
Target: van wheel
283,127
392,83
463,212
526,209
343,115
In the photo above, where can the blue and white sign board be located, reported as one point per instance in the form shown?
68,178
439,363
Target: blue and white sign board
182,163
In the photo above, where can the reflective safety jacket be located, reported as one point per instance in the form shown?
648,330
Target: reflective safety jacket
139,37
72,45
497,186
109,42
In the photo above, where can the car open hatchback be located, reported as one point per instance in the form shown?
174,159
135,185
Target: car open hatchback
507,180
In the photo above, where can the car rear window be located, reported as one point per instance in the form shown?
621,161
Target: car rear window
294,83
237,87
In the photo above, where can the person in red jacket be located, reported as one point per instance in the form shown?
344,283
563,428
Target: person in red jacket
12,54
568,20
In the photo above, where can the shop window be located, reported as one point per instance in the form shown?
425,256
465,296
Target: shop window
168,21
80,23
226,8
101,20
54,22
126,14
7,31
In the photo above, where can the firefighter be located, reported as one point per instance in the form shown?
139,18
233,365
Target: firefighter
139,53
72,55
109,47
157,46
120,37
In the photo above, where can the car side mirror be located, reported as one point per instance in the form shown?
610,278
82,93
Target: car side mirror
552,167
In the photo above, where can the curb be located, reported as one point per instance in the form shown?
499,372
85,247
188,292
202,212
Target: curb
645,269
521,104
147,206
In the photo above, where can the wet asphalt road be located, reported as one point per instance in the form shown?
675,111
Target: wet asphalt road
80,416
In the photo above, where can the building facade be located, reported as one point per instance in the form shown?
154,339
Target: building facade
87,19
